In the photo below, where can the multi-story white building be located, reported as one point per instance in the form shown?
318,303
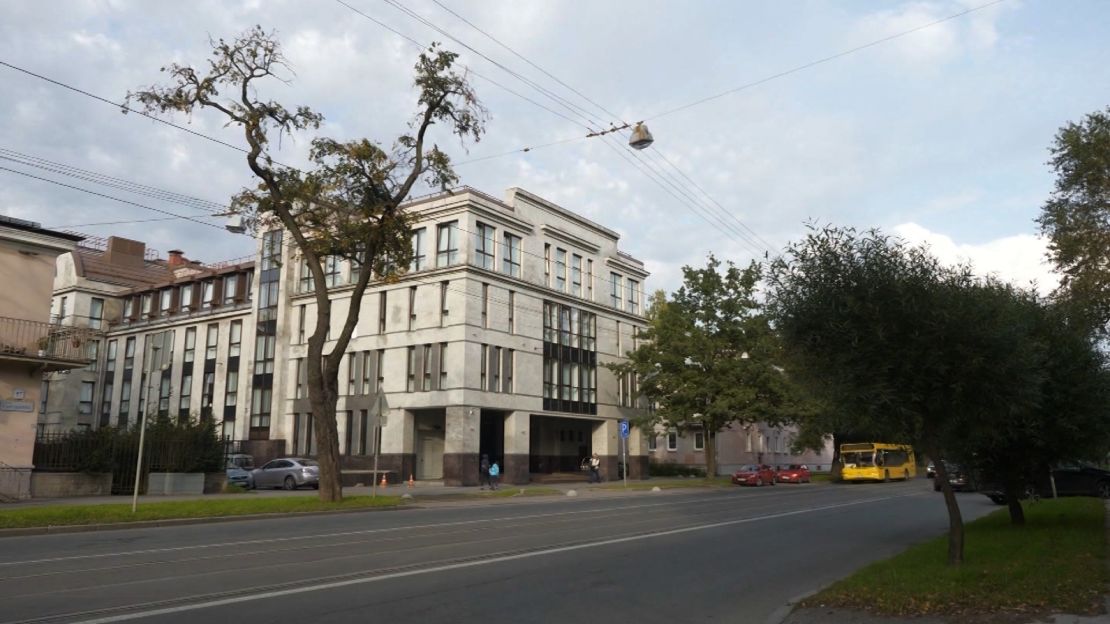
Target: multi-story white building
493,342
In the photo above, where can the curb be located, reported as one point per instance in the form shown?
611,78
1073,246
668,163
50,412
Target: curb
779,615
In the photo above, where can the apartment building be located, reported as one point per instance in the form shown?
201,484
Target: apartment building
30,345
493,342
758,443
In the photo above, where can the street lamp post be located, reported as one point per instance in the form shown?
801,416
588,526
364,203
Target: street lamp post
142,431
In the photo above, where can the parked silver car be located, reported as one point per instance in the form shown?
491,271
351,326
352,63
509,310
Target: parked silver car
238,476
288,472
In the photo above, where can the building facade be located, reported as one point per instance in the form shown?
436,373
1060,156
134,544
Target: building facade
493,342
758,443
30,345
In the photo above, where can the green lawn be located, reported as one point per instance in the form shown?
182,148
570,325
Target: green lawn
1056,563
64,515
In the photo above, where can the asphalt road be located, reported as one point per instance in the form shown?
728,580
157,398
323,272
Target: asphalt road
730,555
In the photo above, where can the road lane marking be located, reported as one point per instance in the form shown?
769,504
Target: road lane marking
359,532
485,560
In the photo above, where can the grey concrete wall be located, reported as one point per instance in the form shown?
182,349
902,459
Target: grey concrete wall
64,484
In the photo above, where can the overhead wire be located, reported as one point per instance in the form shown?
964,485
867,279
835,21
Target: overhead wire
820,61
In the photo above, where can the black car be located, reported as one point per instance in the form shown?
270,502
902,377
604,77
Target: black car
959,478
1071,480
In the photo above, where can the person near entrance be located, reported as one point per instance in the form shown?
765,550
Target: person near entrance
595,469
483,472
494,475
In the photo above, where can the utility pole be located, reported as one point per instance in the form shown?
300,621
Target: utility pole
142,429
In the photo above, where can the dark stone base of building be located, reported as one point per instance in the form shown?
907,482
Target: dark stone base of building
637,467
515,470
460,469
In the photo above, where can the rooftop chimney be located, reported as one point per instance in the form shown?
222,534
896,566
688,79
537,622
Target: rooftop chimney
125,252
177,258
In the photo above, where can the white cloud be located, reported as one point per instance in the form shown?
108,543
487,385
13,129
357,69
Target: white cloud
1018,259
936,45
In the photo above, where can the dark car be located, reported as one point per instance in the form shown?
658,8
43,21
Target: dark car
289,473
931,470
961,479
1071,480
758,475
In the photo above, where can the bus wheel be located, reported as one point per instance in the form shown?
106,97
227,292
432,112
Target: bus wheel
886,476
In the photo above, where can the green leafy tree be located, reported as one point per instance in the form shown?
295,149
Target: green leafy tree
899,347
708,358
1076,217
1069,422
347,206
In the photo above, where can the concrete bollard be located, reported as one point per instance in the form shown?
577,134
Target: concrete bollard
572,493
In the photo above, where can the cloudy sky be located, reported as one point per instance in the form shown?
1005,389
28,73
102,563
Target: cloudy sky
939,136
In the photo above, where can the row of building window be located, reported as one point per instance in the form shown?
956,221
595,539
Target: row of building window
756,442
96,312
230,289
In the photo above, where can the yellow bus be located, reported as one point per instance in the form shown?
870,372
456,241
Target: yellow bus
877,461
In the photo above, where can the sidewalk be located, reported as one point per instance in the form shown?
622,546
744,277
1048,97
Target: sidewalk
421,490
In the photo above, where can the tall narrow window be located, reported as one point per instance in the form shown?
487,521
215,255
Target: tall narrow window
410,384
495,367
231,389
110,359
93,354
207,389
381,370
442,365
231,285
308,282
485,305
589,279
510,259
507,381
512,312
165,301
147,305
382,303
443,303
419,250
211,342
186,297
129,353
207,292
85,403
96,313
235,338
576,275
412,307
547,264
185,395
426,374
447,244
332,271
560,270
190,344
633,296
299,375
483,246
483,367
301,311
62,310
615,290
365,386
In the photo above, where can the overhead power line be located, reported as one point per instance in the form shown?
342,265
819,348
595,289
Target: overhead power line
820,61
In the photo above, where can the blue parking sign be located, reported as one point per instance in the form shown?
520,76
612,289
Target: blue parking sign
624,429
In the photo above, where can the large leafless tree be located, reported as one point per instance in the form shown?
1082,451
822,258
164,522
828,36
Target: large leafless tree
347,204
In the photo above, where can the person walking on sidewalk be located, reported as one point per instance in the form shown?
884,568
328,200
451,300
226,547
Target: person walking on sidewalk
483,472
494,475
595,469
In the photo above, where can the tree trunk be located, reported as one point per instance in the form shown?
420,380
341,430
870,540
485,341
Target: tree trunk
955,519
1013,492
710,454
323,393
835,469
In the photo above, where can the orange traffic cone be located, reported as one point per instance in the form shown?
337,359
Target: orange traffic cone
384,483
412,482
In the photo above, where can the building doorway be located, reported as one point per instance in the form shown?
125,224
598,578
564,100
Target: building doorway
559,445
491,440
429,444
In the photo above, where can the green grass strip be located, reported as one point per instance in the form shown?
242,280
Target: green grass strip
69,515
1056,563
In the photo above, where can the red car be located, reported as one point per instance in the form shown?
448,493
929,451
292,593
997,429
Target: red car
754,475
794,473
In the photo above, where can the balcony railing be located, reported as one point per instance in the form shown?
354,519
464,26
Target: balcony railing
35,340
